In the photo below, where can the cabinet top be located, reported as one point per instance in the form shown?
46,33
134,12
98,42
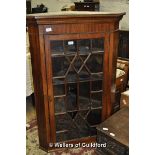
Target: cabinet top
72,16
75,14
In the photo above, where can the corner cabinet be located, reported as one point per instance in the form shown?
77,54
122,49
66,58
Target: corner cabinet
74,70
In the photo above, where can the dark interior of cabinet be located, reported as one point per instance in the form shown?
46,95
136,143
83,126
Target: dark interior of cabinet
77,68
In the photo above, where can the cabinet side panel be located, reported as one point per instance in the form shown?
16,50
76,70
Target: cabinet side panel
50,89
39,80
114,39
106,97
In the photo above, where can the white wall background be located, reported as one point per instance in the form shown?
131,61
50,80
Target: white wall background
105,5
118,6
53,5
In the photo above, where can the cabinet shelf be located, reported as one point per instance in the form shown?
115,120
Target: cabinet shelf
61,113
93,77
98,91
59,54
57,132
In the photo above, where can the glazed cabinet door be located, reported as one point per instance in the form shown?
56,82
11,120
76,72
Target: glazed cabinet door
75,75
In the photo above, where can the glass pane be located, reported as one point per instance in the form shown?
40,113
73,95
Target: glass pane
77,63
63,122
97,76
60,66
70,46
68,131
62,136
96,85
83,113
72,76
67,135
71,97
84,129
72,114
59,105
83,57
77,74
84,95
84,46
73,134
96,100
58,81
57,47
94,117
59,90
84,75
97,45
95,63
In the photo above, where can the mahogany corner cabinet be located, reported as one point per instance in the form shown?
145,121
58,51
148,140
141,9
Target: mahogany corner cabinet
74,57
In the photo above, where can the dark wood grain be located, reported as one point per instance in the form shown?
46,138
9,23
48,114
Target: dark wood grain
40,87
